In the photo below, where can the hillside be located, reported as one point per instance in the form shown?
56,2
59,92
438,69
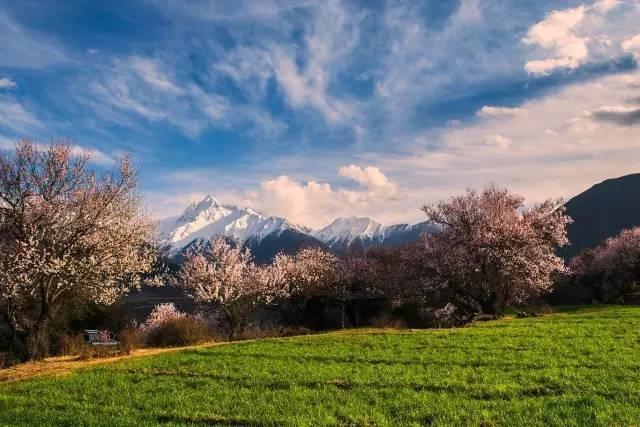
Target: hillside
603,211
575,368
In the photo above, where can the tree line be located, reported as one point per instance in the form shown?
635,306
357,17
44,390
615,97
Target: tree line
71,238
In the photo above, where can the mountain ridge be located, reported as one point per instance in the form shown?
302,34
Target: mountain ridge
268,235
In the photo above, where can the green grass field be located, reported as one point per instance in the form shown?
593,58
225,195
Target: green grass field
577,368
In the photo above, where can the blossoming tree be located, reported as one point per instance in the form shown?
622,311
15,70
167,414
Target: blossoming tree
491,250
66,233
612,269
221,276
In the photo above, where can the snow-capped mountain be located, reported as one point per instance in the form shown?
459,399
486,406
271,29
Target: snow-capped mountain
265,235
208,218
268,235
357,234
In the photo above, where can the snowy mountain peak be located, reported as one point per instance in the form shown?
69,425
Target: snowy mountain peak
208,217
197,208
349,229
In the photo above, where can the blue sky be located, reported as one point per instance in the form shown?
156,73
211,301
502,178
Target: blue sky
315,109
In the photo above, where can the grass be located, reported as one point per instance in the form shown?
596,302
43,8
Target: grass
580,368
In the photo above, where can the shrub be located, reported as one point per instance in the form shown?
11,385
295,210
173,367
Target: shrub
130,339
387,321
178,332
71,344
161,314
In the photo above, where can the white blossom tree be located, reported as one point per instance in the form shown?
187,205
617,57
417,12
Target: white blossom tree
66,233
221,276
491,250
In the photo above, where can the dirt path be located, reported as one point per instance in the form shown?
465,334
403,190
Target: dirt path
63,365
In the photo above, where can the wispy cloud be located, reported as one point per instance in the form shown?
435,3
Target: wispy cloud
22,47
15,117
96,156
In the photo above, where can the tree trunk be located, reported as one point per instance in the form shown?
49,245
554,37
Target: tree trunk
37,342
38,338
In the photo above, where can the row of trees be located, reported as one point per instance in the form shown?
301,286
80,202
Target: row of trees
71,238
489,252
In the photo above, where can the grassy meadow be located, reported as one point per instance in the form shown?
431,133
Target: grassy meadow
580,367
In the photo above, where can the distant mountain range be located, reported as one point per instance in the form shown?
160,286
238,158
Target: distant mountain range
598,213
601,212
268,235
356,234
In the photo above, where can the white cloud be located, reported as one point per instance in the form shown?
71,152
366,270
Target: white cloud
144,86
149,71
556,34
632,45
315,204
7,83
369,177
491,112
97,156
14,116
498,141
328,38
21,47
570,38
569,140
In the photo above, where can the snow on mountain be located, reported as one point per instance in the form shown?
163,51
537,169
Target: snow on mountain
208,218
348,229
358,234
268,235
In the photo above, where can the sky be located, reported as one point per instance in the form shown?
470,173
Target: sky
313,110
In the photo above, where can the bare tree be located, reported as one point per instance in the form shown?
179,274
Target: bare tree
65,233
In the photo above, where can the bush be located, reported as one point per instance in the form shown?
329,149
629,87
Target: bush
71,344
387,321
178,332
130,339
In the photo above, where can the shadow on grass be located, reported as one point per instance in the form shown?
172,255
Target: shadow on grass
470,391
211,420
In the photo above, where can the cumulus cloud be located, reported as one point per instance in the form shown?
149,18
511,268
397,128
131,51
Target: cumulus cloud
556,34
569,38
369,177
7,83
315,204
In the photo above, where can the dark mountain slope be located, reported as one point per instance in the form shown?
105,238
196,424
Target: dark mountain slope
602,212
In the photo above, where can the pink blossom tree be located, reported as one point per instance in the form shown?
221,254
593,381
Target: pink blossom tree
66,234
161,313
491,251
612,269
221,277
